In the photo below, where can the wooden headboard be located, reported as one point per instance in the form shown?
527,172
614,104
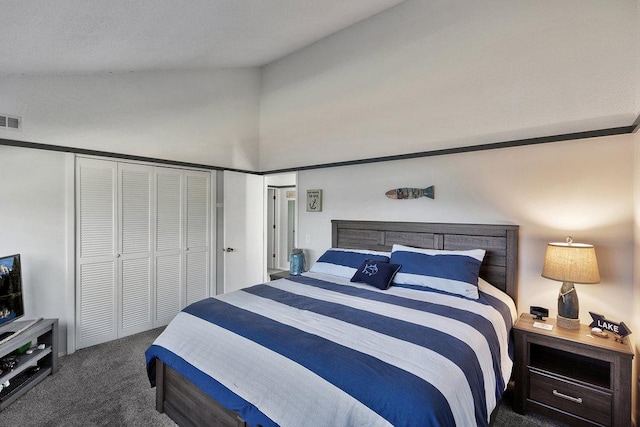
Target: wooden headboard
500,265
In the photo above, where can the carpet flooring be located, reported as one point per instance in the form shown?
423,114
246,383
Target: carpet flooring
103,385
106,385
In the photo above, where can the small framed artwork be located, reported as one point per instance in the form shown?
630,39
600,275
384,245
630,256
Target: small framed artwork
314,200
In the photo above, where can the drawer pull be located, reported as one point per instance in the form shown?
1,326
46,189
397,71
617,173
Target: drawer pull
566,396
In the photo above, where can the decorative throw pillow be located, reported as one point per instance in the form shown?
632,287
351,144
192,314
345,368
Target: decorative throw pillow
376,273
455,272
344,262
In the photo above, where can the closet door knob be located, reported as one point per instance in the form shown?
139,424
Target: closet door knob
228,250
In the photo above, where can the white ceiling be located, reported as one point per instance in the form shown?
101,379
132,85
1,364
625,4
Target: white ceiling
92,36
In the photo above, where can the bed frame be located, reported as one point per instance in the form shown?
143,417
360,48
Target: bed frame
187,405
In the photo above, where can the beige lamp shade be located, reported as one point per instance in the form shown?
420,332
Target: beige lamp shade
571,262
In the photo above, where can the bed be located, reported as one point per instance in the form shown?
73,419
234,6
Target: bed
319,349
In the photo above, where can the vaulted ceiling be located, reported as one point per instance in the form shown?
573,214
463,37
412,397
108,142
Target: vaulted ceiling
94,36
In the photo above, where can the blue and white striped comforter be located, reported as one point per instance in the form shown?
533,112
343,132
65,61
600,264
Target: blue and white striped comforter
319,350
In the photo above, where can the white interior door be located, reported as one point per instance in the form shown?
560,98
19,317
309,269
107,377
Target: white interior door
244,256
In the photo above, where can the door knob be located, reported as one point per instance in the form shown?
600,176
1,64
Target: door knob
228,250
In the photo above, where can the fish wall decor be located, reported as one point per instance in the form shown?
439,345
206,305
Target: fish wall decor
410,193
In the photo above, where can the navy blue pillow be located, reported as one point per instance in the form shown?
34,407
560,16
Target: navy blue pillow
376,273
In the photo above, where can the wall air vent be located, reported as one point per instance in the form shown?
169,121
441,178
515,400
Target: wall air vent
10,122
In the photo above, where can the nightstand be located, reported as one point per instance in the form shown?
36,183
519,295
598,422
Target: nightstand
571,375
279,275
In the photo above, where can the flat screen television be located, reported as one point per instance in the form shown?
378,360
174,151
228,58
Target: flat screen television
11,300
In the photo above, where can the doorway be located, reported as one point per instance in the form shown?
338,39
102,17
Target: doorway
281,221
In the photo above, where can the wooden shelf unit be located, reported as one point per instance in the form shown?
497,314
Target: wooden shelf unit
31,368
571,375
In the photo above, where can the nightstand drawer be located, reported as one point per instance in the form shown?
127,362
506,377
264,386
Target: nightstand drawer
582,401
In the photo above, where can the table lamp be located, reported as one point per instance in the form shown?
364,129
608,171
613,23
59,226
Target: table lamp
570,263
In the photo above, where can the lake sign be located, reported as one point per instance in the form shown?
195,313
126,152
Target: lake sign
607,325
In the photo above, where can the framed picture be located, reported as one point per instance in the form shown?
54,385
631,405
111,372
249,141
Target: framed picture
314,200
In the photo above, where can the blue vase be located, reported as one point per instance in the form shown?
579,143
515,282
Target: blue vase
296,262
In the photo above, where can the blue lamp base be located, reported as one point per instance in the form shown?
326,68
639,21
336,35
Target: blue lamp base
568,307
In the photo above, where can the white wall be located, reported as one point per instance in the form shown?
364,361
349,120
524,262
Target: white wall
280,179
431,74
33,212
577,188
203,117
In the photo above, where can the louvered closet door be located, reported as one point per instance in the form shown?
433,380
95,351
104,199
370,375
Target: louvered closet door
169,252
143,236
135,260
197,235
96,246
